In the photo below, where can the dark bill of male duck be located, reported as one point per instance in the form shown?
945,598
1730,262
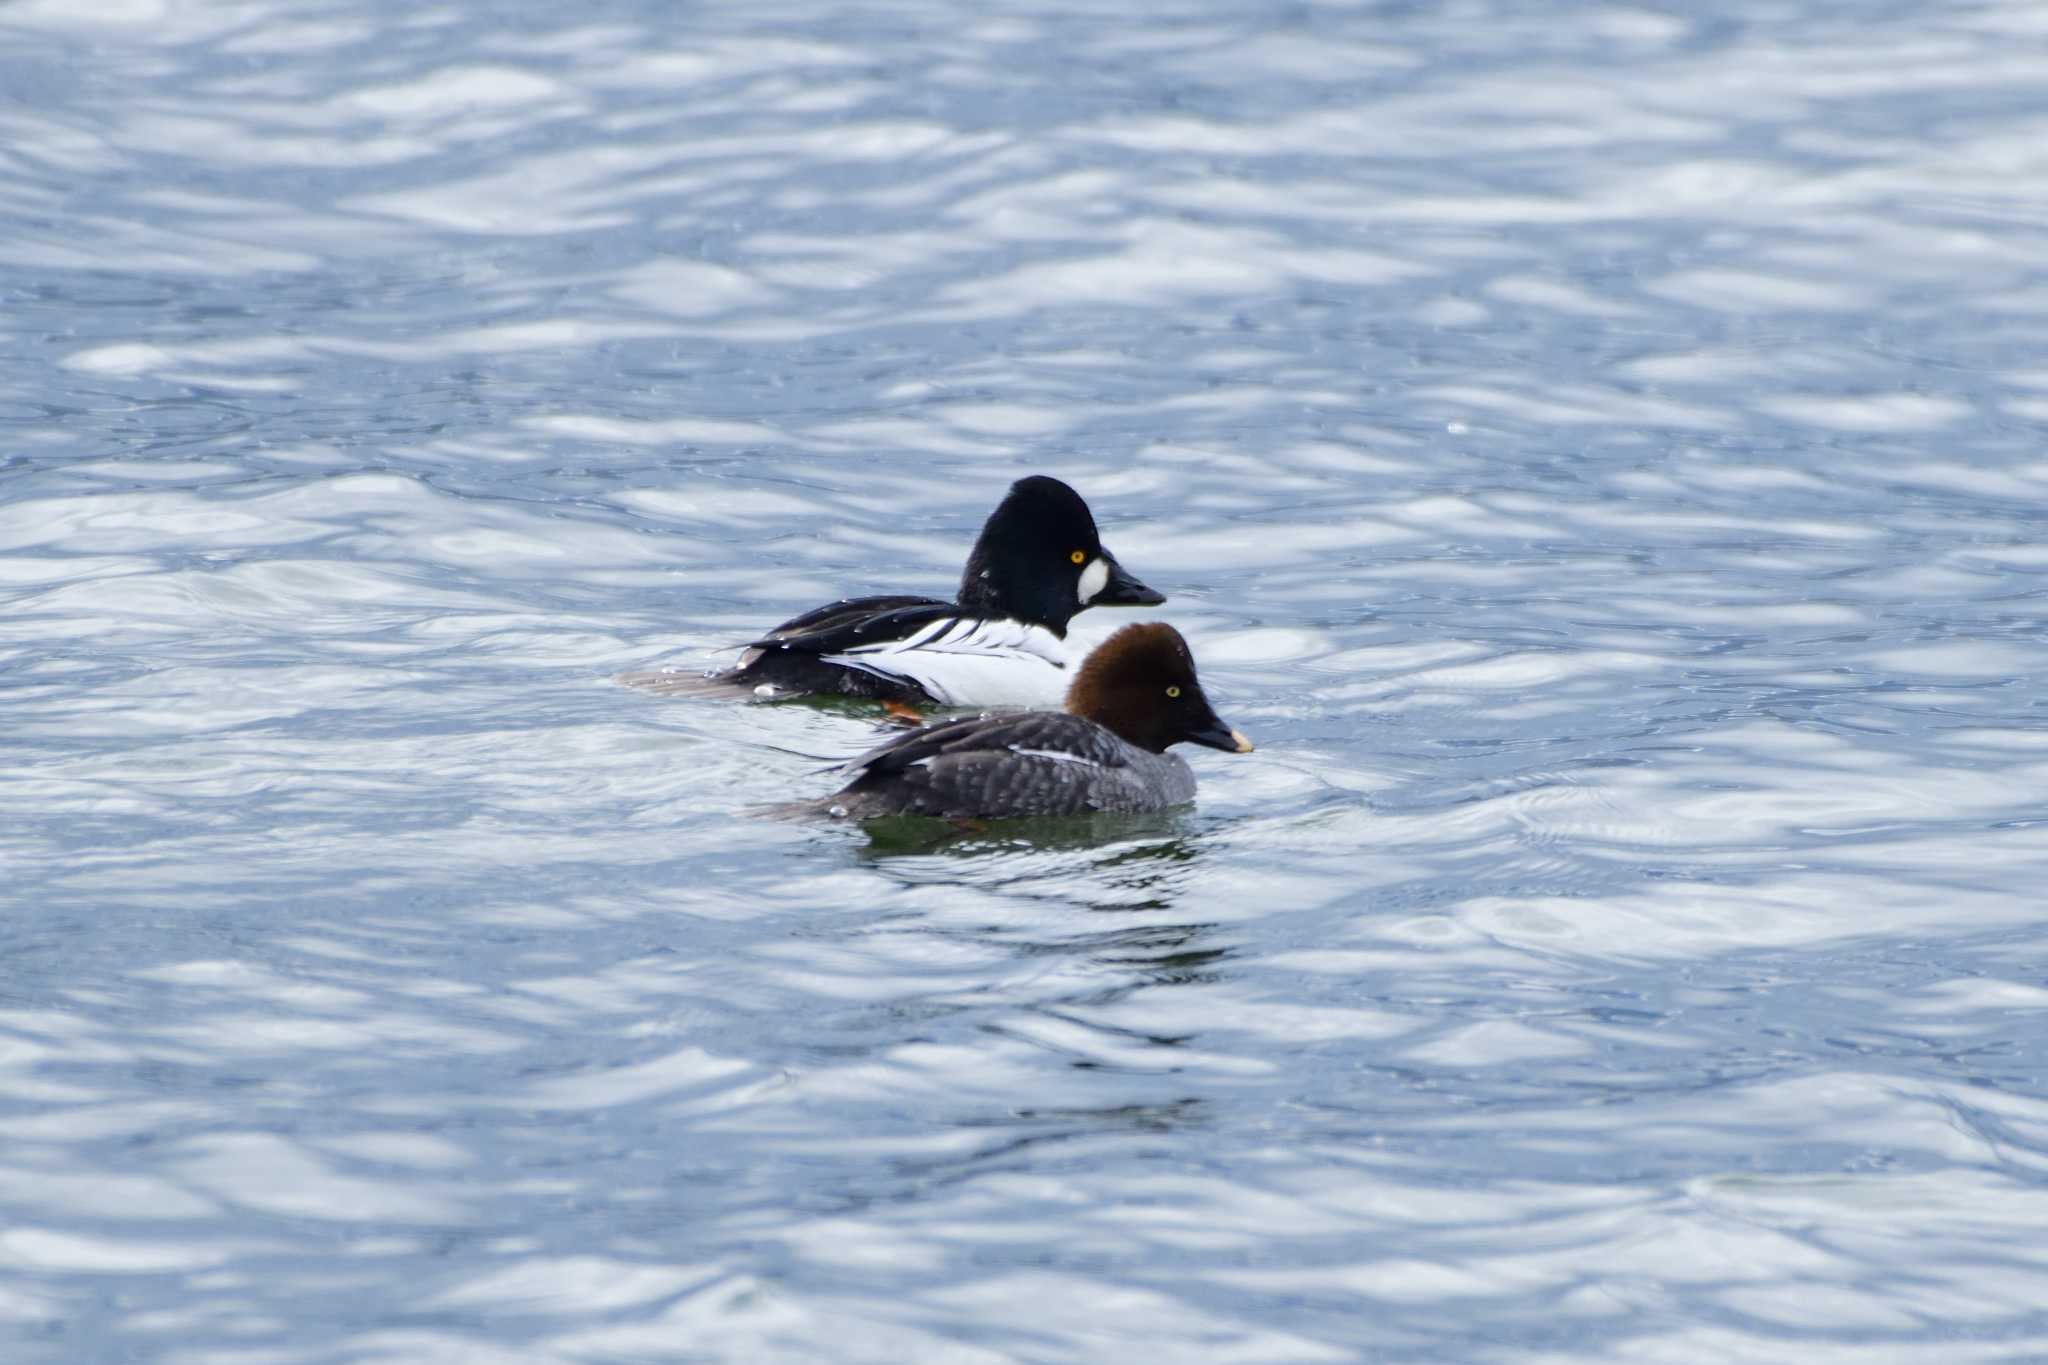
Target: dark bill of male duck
1038,563
1134,698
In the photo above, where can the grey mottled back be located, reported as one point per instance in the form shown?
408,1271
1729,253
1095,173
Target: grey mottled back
1034,763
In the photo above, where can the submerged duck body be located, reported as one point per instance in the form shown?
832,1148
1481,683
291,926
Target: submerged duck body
1038,563
1135,696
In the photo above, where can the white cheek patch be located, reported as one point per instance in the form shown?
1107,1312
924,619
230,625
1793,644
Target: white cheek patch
1094,579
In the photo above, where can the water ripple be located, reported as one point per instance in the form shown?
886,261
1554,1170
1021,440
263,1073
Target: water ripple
1594,452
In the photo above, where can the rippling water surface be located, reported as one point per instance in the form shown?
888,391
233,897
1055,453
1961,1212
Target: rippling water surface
1597,453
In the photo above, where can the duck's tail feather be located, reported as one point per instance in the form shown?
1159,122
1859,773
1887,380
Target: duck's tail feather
790,810
685,684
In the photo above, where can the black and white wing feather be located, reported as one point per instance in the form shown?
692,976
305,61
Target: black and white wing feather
850,620
895,648
792,665
968,660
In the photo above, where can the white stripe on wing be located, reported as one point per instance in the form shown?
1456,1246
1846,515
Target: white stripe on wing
1057,756
966,662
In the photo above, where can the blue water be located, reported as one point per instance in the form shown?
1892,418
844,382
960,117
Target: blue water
1597,453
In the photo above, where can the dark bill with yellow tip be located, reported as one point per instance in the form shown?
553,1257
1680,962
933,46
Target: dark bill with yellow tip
1221,736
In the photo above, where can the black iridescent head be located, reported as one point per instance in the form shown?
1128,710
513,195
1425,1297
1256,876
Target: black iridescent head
1140,684
1040,560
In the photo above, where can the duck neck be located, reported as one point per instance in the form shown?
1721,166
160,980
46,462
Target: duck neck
987,589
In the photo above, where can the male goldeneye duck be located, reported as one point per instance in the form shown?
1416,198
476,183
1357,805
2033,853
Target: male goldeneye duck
1135,695
1038,562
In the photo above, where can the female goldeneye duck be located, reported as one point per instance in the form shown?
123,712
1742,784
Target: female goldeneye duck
1135,696
1038,563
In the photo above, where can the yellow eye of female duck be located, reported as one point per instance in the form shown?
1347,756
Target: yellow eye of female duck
1173,691
1078,556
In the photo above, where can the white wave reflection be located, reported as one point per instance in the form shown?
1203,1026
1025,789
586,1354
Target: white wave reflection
1587,449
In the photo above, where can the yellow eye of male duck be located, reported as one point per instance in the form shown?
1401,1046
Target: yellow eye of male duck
1078,556
1173,691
